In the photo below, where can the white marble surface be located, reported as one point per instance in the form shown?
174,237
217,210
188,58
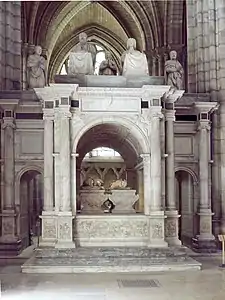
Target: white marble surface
123,200
92,199
65,230
111,230
65,161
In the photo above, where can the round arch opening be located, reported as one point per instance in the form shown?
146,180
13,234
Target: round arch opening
102,177
185,183
30,206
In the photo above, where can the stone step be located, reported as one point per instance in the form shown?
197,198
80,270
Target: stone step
109,260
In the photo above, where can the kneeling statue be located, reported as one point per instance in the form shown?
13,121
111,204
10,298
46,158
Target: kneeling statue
108,66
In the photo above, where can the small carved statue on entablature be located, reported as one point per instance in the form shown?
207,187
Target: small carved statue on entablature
108,66
174,72
36,69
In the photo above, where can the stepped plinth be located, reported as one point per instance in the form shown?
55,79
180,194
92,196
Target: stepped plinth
110,260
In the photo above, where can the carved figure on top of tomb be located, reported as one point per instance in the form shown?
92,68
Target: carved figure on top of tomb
82,57
93,183
118,184
174,71
108,66
36,69
134,62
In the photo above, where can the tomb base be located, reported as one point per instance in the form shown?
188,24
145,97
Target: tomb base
110,260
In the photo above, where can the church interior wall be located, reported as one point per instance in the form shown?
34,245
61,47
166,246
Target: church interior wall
194,30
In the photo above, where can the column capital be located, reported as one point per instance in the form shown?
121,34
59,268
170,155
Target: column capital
205,107
64,113
48,114
204,124
169,114
156,112
8,122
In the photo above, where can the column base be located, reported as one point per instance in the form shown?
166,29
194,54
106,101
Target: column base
49,229
156,230
10,247
10,244
171,228
205,241
65,231
203,245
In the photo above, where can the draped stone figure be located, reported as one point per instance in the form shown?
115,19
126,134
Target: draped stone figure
174,71
82,57
108,66
134,62
36,69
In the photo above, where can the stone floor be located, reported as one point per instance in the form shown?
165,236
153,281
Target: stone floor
208,284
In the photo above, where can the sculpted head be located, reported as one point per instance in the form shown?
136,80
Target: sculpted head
38,50
83,38
173,55
131,43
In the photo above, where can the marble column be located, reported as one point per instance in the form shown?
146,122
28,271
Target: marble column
204,241
48,162
65,216
65,205
171,223
140,178
8,229
56,155
8,239
147,182
157,216
156,159
9,171
74,183
48,215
